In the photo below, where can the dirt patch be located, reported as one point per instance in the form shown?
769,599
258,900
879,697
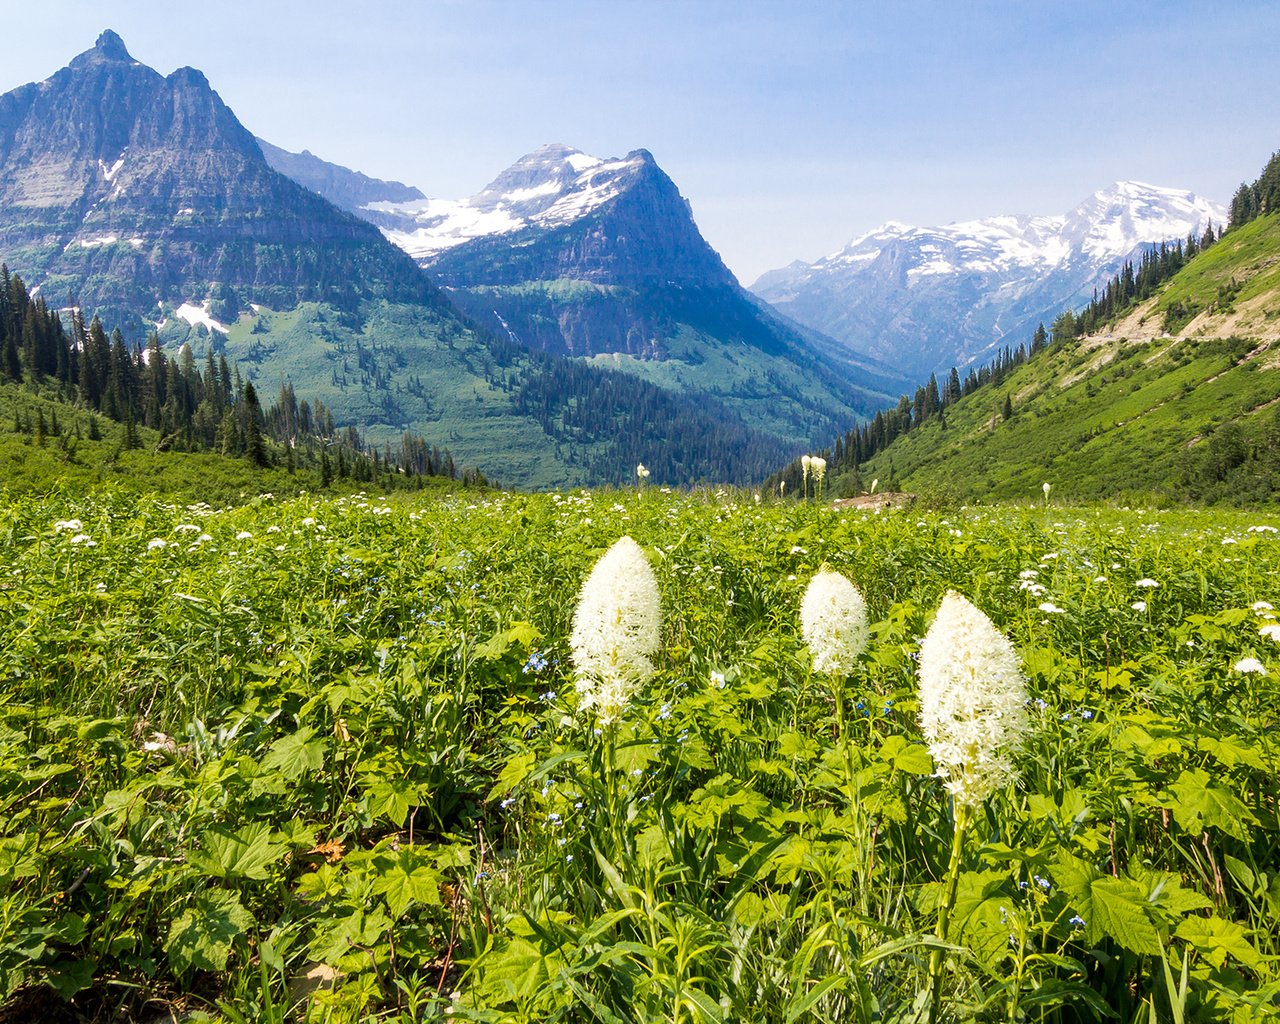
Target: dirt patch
886,499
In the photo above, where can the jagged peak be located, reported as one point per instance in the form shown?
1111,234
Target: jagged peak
109,48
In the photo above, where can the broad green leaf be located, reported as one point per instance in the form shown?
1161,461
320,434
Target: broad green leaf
67,977
245,853
201,937
912,758
1216,939
1118,907
514,772
1198,804
295,753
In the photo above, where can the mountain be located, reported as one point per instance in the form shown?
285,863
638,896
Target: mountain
342,186
140,197
134,190
925,299
1174,399
600,259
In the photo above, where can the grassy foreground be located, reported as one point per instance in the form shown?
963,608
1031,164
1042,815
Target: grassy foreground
319,760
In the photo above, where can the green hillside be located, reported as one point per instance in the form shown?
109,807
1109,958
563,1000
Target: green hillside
48,445
1179,399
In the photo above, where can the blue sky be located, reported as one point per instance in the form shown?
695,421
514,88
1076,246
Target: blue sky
790,126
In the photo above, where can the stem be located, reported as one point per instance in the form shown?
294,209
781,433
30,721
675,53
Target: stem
938,957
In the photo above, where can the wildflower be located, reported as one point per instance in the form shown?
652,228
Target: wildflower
1270,631
69,525
1046,488
1076,922
1261,606
244,535
717,680
1052,609
818,467
806,465
972,700
85,539
616,629
642,474
833,619
1146,582
1246,665
155,543
874,484
1139,606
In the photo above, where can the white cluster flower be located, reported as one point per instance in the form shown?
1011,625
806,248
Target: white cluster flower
1146,582
972,701
70,525
833,620
1247,665
156,543
1271,632
616,630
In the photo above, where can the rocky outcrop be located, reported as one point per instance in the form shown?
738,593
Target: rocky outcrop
124,188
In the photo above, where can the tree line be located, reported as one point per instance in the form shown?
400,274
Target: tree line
1252,201
213,409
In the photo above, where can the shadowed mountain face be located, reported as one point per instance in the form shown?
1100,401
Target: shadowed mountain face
601,259
126,189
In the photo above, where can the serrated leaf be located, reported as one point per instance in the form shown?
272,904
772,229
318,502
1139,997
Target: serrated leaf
71,976
1118,908
1199,804
912,758
1216,939
295,753
243,854
201,937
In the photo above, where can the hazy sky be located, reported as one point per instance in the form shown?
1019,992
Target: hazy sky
791,126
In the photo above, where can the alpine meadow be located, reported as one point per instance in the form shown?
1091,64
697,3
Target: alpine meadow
488,609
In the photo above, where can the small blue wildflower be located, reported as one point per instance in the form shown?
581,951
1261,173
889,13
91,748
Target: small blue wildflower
554,818
1086,715
1076,922
507,802
1043,882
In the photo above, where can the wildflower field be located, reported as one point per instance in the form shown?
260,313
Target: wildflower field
329,761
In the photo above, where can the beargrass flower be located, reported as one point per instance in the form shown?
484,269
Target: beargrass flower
616,630
833,621
806,464
972,701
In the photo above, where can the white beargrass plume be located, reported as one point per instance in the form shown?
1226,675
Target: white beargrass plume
616,630
972,701
833,621
973,715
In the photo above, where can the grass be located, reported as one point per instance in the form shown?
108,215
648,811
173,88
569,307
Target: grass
339,738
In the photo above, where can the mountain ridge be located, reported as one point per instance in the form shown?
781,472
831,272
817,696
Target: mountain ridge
927,298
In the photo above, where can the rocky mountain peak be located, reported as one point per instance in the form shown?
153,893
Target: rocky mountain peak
109,49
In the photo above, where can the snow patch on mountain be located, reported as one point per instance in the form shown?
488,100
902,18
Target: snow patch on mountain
928,297
551,187
198,316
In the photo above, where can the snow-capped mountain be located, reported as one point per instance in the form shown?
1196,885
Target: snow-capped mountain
643,229
926,299
600,259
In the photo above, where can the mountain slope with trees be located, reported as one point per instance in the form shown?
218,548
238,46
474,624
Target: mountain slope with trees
1164,387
